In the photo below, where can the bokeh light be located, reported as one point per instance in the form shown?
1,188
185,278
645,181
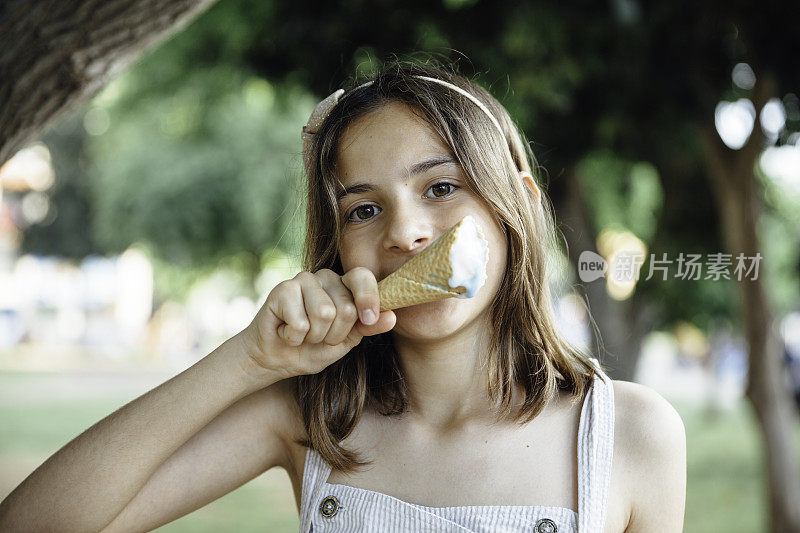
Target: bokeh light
734,122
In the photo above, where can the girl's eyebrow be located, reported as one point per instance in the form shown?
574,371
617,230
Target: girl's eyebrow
427,164
416,168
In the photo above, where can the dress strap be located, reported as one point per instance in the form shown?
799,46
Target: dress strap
595,452
315,474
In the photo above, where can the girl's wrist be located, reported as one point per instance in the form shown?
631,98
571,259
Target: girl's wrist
253,376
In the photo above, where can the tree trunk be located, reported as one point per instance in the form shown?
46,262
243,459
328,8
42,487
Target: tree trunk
732,175
621,326
55,55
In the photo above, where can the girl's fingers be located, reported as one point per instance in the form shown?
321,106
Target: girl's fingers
364,287
346,313
325,307
319,307
386,321
287,306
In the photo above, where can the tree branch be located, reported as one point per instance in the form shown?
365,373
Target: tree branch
56,55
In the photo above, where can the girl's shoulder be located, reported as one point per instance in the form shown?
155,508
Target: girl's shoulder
647,423
649,452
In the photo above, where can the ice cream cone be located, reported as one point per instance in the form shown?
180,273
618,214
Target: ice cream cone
454,265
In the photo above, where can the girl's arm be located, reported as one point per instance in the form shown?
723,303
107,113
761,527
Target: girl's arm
170,451
652,446
246,440
89,481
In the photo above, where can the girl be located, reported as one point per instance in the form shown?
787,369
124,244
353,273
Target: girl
457,415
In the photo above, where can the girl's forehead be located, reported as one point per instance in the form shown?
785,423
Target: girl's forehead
390,120
390,138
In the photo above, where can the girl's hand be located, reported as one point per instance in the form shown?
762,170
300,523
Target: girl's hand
314,319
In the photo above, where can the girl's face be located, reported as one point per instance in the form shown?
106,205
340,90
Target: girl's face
405,190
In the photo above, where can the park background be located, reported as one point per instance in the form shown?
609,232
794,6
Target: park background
151,214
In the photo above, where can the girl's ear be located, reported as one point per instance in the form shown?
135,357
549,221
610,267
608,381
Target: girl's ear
528,180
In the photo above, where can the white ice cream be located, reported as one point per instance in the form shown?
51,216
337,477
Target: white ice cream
468,256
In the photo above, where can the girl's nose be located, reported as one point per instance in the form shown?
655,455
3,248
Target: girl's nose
408,232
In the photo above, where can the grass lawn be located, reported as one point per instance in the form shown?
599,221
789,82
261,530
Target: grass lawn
725,480
725,489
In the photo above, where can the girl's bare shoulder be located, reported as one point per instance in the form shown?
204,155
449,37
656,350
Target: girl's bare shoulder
650,453
646,424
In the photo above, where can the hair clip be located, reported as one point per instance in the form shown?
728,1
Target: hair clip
527,178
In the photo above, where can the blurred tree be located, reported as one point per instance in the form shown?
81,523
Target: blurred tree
689,73
199,166
201,173
55,55
69,199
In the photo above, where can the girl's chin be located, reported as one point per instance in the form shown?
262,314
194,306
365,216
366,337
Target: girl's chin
440,306
433,319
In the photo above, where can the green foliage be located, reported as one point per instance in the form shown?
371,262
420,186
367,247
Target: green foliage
206,171
779,230
780,257
65,231
457,4
623,195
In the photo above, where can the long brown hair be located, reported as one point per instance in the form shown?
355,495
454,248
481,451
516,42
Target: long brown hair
526,347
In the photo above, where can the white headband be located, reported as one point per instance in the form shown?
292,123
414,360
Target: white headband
323,109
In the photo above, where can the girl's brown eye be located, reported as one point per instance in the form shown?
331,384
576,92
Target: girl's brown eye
363,213
443,188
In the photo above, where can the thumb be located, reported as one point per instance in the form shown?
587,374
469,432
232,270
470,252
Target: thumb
386,321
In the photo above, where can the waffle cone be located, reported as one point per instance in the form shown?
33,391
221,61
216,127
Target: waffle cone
424,278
